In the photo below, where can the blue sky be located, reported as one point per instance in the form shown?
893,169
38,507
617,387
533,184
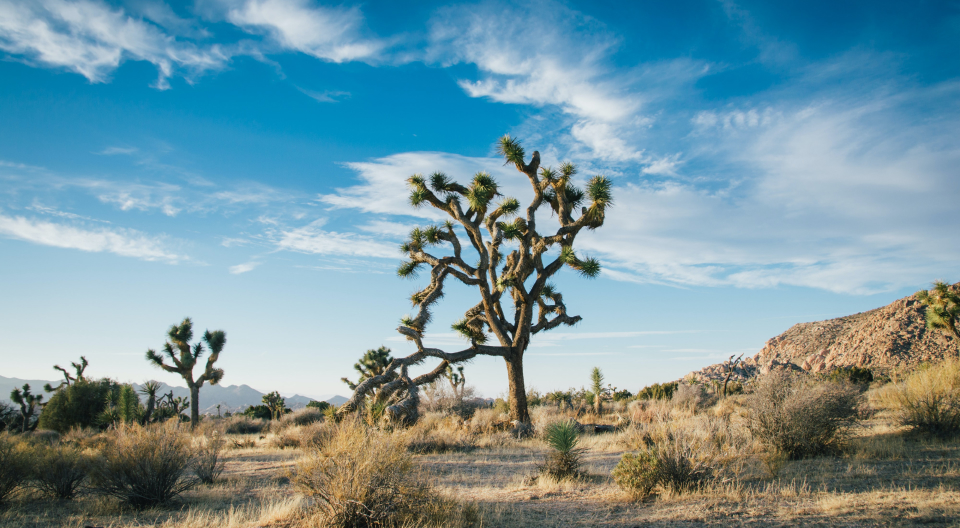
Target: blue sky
243,163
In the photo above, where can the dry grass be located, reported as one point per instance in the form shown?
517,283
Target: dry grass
884,477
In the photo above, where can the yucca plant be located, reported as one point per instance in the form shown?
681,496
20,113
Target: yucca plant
943,307
563,461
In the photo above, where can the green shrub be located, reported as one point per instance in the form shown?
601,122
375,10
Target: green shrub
637,474
622,395
14,465
856,375
240,424
928,400
78,405
144,466
318,405
501,406
258,412
658,391
799,417
58,472
563,460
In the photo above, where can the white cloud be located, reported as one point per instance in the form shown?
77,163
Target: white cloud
328,33
124,242
313,239
326,96
92,39
243,268
112,151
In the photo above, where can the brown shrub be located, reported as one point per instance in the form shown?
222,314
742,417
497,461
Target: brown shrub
208,464
58,471
363,477
799,417
14,465
238,424
928,400
144,466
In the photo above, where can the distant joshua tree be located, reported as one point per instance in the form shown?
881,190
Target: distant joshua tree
179,351
596,387
373,363
943,308
28,406
521,275
67,378
458,382
150,389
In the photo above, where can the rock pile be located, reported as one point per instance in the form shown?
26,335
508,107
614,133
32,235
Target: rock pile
891,338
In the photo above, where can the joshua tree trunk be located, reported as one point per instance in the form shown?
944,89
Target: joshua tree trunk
194,404
521,275
517,390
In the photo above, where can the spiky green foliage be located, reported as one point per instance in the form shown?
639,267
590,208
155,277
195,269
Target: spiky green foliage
150,390
596,387
511,150
943,307
183,356
510,261
563,461
276,403
78,368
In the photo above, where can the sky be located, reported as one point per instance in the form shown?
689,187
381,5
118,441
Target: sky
243,163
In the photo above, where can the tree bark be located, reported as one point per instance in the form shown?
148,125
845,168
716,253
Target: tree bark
517,390
194,405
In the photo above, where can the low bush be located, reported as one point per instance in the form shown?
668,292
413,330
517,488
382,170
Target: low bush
928,400
78,405
305,416
58,472
853,374
563,459
315,435
208,464
676,461
144,466
798,417
14,465
658,391
363,477
693,397
238,424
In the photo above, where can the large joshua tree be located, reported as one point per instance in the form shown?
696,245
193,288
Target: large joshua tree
183,357
515,263
943,307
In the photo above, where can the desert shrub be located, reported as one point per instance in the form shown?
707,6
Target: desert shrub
58,472
563,459
78,405
637,474
799,417
853,374
648,411
501,405
239,424
144,465
258,412
14,465
363,477
692,396
208,464
318,405
305,416
658,391
315,435
622,395
672,460
487,421
928,400
284,438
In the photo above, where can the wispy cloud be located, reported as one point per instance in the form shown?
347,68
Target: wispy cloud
113,151
243,268
329,33
314,239
123,242
92,38
326,96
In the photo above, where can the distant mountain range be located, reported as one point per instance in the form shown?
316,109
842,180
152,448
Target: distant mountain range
230,397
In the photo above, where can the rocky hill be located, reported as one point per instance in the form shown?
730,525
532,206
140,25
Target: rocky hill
886,339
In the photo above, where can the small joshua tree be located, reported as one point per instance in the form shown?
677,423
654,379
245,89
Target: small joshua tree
67,378
184,356
729,367
943,307
514,262
458,382
373,363
596,387
276,404
28,406
150,389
